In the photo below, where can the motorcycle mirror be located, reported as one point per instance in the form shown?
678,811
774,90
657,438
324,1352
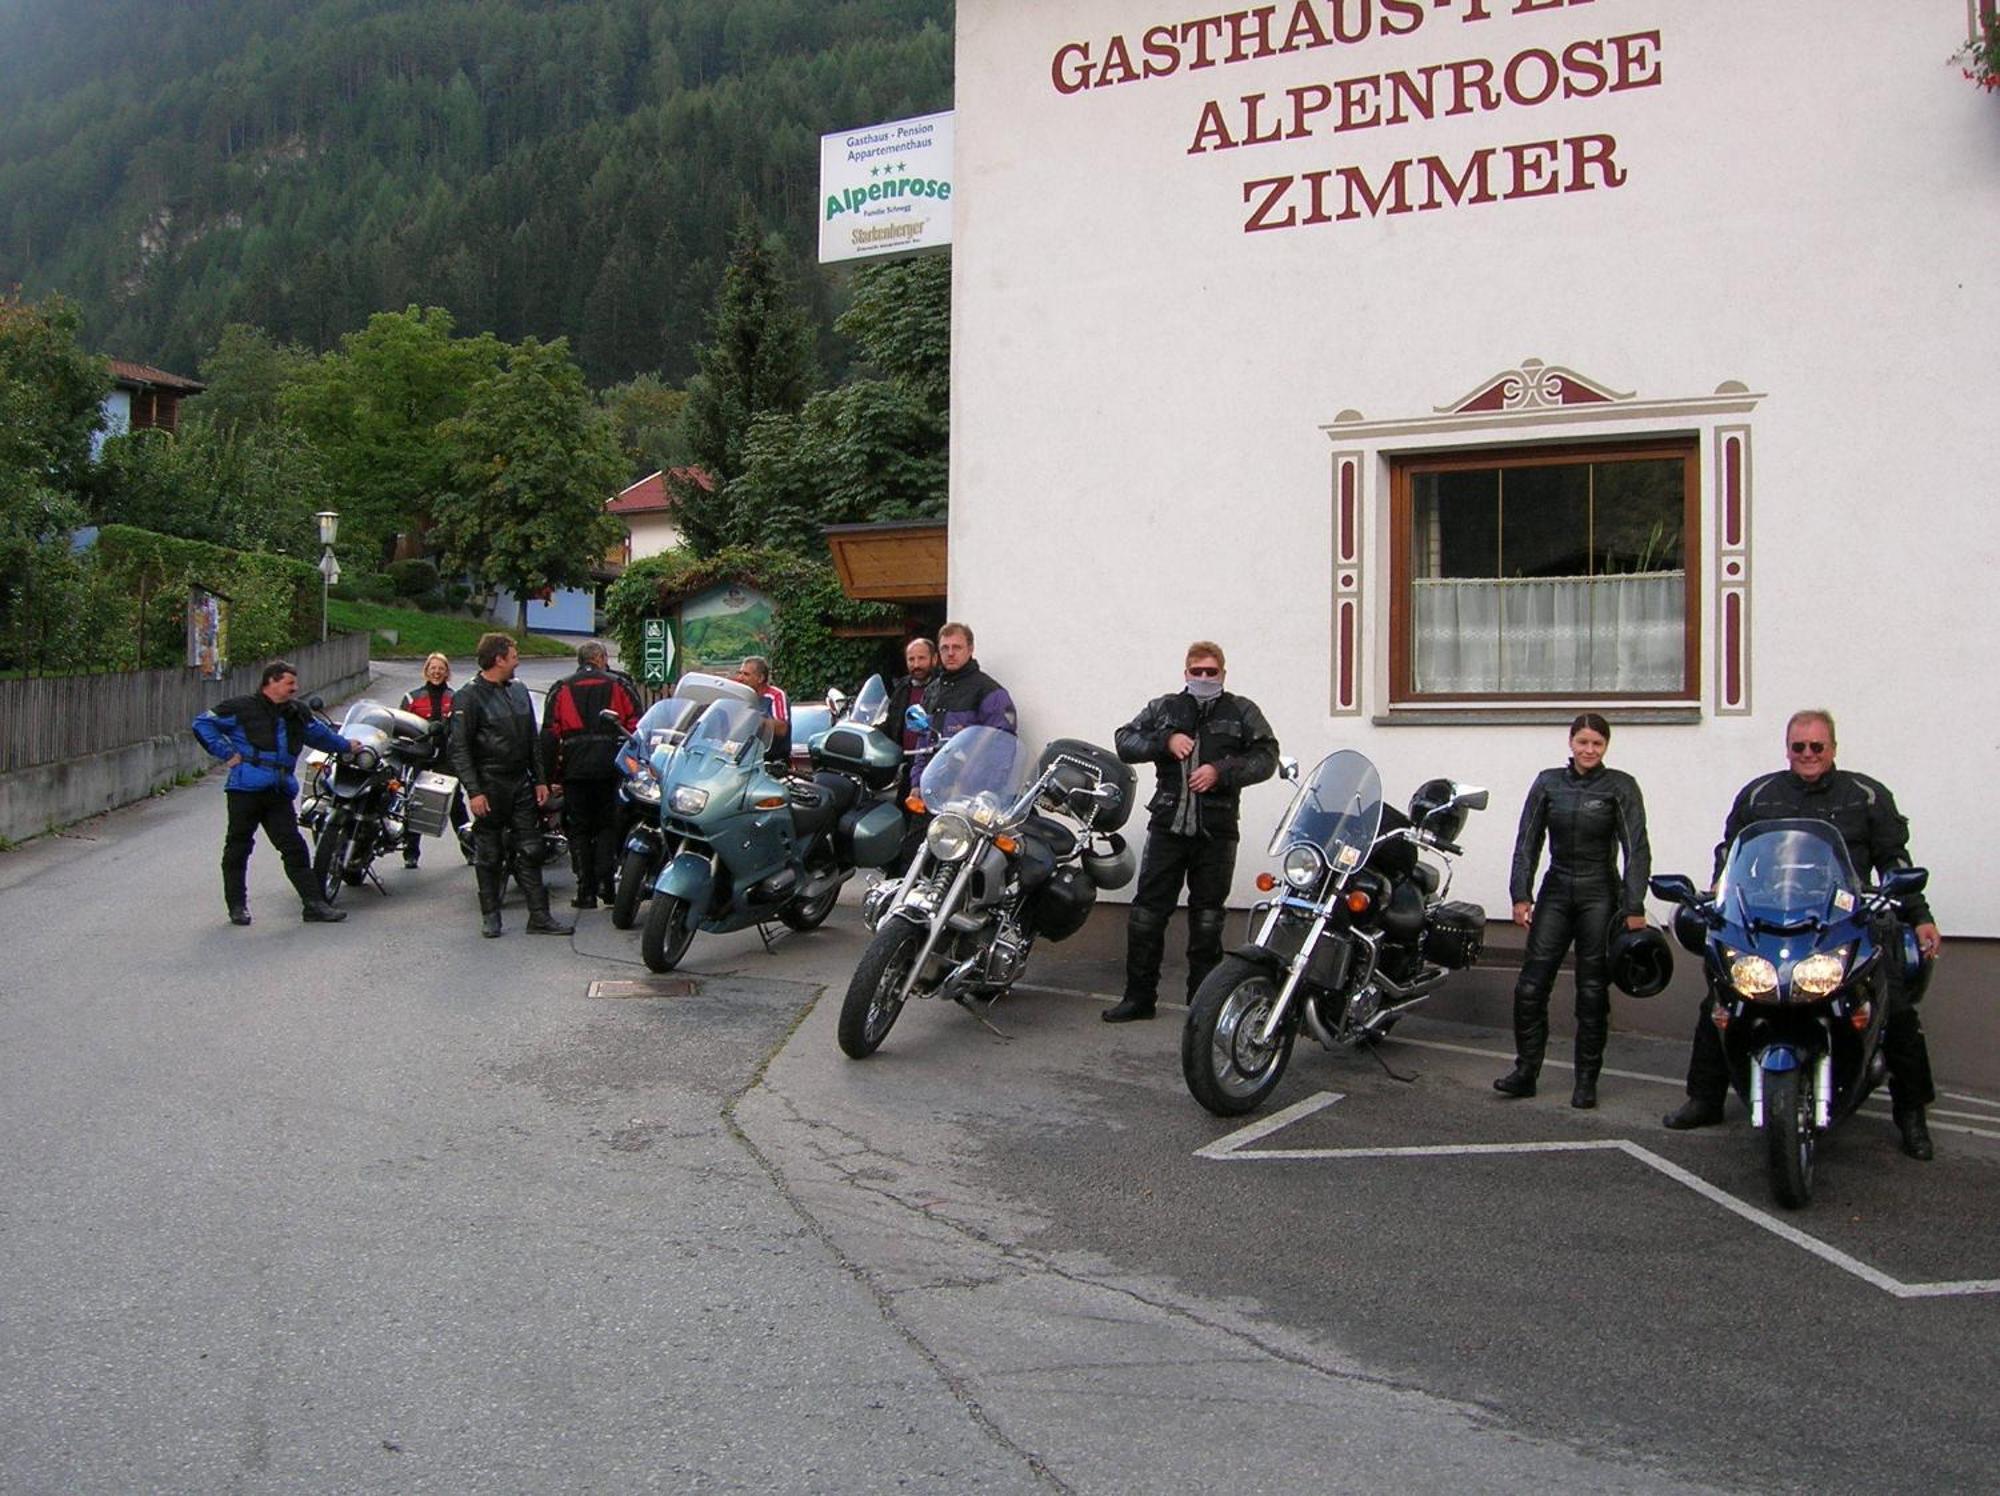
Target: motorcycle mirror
1675,888
917,719
1905,882
608,715
316,703
1288,767
1468,797
837,702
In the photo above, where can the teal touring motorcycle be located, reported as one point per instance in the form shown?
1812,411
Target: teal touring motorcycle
744,846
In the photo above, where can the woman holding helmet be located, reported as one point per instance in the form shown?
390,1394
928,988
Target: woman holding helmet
1589,814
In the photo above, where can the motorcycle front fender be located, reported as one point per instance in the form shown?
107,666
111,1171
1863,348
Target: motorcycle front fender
1259,955
687,876
643,839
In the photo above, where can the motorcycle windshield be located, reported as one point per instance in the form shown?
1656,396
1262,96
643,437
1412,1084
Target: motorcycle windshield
382,718
1788,875
732,731
979,769
1338,809
664,725
871,704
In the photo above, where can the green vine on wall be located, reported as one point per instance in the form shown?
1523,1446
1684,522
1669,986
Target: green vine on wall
806,657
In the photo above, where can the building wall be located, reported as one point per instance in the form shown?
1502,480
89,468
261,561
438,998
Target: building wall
651,534
1148,393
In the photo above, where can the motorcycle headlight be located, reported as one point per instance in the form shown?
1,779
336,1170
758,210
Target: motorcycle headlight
1753,976
949,837
1818,975
689,800
1302,866
645,791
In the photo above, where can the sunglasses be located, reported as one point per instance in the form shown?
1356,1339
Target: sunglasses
1205,671
1812,747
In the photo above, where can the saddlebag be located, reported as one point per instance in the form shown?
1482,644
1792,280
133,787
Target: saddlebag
1063,904
427,807
1453,935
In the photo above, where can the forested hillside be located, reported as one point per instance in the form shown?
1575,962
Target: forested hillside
537,167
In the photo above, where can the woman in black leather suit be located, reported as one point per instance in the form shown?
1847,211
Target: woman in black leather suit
1589,814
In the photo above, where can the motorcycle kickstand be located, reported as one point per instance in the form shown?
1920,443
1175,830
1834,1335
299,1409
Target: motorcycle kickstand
1375,1049
373,877
965,1001
764,934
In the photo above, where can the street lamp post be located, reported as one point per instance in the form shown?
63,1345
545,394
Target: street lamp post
329,569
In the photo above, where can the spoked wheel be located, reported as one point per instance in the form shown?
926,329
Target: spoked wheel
1227,1070
873,1001
1789,1137
669,928
330,851
810,914
633,890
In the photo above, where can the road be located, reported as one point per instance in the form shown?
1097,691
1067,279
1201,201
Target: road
386,1206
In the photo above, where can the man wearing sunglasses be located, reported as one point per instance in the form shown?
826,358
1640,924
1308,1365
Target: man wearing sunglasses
1204,745
1878,838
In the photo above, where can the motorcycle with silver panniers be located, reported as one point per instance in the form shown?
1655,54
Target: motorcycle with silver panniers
1016,850
358,804
1359,930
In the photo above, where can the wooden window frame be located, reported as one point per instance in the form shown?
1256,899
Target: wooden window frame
1403,467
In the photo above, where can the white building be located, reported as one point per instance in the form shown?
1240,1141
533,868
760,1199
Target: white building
1464,364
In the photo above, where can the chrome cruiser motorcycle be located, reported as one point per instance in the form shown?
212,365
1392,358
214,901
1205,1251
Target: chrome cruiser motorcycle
357,803
1358,933
1016,849
1805,963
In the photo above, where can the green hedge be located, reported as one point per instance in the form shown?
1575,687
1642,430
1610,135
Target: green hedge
806,655
274,601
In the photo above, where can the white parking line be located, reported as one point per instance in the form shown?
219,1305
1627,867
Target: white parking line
1235,1147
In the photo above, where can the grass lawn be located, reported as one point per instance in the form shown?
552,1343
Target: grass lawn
419,633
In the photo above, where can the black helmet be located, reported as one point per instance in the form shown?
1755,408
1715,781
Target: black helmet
1642,962
1432,810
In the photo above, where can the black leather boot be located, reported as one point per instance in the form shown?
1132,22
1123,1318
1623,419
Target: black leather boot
1583,1095
236,894
1205,927
1531,1041
313,908
489,901
540,921
1590,1039
1145,947
1916,1133
1127,1009
1520,1081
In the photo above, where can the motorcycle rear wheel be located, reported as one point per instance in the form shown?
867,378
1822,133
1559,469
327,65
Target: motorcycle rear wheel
1226,1070
669,929
634,888
330,852
872,1003
809,914
1789,1138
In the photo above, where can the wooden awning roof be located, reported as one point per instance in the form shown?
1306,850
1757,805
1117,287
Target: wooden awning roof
899,561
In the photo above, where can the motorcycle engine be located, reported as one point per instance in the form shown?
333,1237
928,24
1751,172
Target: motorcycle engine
1008,955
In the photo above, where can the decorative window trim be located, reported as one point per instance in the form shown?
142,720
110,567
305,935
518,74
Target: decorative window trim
1534,404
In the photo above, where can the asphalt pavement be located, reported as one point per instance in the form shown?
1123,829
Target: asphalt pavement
386,1206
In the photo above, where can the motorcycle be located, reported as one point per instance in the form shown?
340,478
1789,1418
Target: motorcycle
662,729
1359,931
358,803
1016,850
743,846
1805,963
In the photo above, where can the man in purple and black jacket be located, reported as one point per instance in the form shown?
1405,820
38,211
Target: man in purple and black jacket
961,694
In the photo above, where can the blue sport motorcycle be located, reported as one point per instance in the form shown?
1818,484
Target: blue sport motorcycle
662,729
1804,962
744,846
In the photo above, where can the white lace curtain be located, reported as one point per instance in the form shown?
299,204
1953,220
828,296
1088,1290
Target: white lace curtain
1551,635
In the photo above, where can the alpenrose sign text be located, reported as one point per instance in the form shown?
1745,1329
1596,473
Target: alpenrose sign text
1343,102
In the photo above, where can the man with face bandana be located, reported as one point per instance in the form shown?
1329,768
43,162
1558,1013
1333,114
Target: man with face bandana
1205,745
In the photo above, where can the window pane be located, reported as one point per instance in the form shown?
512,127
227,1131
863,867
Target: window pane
1550,579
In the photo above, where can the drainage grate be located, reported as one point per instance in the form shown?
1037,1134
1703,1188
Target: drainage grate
643,987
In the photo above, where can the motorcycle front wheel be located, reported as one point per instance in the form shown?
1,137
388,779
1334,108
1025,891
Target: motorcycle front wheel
1789,1137
1226,1069
669,928
873,996
634,887
810,914
330,849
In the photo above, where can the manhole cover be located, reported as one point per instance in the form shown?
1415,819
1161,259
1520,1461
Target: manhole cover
642,987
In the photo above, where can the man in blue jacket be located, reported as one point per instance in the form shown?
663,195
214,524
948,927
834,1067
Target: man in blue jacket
259,737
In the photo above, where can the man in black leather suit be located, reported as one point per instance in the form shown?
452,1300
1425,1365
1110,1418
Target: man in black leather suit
1878,838
495,754
1205,745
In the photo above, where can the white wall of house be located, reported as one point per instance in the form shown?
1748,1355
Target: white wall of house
651,534
117,420
1776,238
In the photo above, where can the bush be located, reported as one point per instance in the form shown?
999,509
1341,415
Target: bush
415,577
274,601
365,587
456,596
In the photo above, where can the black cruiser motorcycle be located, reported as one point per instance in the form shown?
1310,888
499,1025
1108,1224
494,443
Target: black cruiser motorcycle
1357,934
1016,850
1804,962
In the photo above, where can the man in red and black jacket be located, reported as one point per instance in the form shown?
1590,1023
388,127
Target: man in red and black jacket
581,749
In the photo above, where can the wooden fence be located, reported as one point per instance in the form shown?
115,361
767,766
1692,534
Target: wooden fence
45,719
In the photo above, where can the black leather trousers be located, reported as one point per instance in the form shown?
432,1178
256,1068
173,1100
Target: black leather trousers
512,824
1205,864
1570,911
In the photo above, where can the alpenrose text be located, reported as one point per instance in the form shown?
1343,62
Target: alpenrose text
1423,184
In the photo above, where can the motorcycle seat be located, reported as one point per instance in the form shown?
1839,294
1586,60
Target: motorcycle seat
819,803
1054,835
